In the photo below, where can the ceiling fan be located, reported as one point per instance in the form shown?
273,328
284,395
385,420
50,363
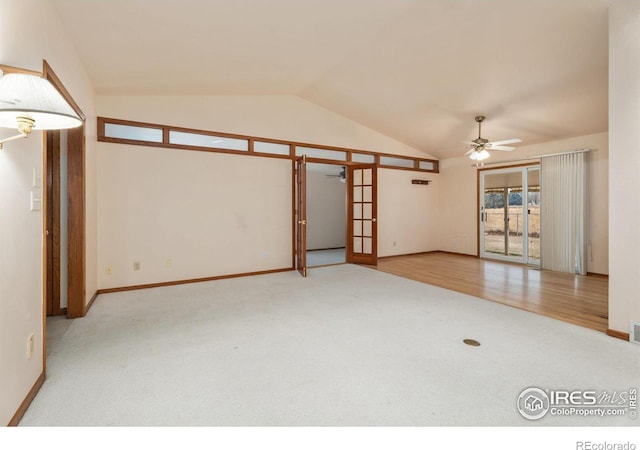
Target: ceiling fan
478,148
342,175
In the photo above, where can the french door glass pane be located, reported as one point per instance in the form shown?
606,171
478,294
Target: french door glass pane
357,245
367,245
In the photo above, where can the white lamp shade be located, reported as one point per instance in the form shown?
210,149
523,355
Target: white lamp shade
32,96
483,155
479,155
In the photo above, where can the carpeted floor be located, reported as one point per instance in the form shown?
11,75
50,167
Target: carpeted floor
324,257
347,346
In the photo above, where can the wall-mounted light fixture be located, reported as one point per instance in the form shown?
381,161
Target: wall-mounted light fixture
29,102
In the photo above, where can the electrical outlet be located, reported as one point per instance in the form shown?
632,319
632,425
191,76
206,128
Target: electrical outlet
30,345
109,270
265,254
136,265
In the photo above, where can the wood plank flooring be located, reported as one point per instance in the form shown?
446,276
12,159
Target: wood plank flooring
580,300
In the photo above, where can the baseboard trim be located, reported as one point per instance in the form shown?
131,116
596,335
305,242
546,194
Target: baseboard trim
90,304
323,249
598,275
194,280
618,334
17,417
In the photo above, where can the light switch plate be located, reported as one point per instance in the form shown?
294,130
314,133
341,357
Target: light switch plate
36,202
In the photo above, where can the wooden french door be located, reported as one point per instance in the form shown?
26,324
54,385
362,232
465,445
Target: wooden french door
301,215
362,226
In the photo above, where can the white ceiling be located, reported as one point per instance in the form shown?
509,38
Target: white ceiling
415,70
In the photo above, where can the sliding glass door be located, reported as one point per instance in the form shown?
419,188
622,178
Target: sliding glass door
510,214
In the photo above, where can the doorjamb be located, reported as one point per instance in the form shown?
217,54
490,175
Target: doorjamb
76,205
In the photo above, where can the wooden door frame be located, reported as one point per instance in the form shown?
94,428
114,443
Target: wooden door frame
300,194
76,220
52,224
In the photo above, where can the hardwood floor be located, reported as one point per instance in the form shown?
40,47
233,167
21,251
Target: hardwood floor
580,300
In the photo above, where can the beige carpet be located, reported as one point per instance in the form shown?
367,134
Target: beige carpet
347,346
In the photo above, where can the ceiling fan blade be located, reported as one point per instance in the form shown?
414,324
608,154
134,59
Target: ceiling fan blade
505,142
470,152
501,148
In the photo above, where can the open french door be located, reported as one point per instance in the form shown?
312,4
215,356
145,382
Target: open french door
362,226
301,215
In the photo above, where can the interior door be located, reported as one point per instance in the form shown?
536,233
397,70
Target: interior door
301,215
362,226
52,232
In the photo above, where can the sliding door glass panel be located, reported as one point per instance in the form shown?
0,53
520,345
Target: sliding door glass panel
515,221
510,215
503,214
494,213
533,213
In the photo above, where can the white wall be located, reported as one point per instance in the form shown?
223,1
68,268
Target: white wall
624,141
210,214
145,194
459,196
30,32
326,210
408,214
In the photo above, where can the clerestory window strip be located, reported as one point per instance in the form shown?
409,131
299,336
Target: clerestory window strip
154,135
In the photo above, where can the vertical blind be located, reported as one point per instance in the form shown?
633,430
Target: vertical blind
564,206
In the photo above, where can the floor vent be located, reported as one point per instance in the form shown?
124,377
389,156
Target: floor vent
634,335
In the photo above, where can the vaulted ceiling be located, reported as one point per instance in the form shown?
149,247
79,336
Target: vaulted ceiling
415,70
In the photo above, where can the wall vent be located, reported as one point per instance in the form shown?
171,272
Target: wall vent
634,334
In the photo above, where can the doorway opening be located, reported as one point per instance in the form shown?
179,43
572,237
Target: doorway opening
57,222
326,214
509,222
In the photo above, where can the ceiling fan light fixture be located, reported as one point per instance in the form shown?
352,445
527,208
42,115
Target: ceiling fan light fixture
478,148
479,155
